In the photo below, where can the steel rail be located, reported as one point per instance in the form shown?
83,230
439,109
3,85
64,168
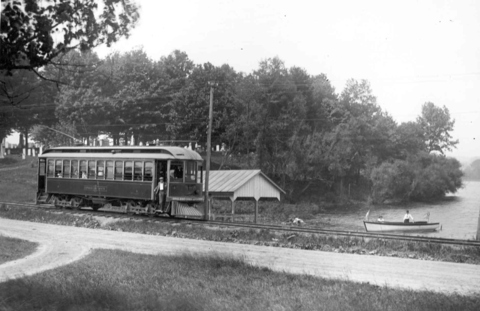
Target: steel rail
285,228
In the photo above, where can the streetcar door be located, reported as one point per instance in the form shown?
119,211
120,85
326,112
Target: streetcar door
41,174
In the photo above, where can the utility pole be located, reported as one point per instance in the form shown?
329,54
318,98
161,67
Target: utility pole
478,226
209,153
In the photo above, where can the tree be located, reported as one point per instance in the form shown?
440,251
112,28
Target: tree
33,32
392,181
409,140
435,176
32,106
280,118
437,125
421,177
112,98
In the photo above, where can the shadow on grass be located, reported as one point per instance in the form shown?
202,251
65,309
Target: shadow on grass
117,280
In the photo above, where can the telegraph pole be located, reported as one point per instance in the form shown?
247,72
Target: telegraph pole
478,226
209,153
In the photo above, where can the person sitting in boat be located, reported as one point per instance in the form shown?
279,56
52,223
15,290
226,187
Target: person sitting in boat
380,219
407,217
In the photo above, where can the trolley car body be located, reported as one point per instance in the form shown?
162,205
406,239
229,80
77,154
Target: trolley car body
140,180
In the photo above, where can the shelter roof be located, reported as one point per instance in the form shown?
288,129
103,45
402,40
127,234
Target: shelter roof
243,184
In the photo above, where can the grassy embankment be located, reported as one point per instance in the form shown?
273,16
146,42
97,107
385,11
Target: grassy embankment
116,280
12,249
183,229
18,185
21,186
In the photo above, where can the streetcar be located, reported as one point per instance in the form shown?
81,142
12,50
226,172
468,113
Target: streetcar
148,180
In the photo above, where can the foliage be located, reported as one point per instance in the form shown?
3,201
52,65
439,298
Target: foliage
25,100
33,32
436,125
392,181
423,177
436,175
291,125
409,140
60,134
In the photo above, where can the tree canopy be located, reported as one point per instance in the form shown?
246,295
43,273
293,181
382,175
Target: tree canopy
292,125
34,32
436,126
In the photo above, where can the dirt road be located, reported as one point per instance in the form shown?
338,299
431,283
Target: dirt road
60,245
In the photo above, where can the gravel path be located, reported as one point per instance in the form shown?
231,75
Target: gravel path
60,245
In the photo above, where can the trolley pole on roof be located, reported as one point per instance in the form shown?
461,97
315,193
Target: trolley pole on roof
209,153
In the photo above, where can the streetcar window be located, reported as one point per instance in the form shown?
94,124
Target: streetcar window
101,169
128,170
74,169
51,168
66,168
41,167
137,174
109,170
190,171
148,171
83,169
91,169
119,170
176,171
58,168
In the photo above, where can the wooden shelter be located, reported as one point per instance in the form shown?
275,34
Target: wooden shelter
243,185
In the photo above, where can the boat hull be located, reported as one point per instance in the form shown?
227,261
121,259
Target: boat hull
387,226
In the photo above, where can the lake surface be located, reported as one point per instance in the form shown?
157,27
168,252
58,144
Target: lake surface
457,215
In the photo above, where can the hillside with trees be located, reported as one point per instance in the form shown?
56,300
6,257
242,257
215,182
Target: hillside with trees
292,125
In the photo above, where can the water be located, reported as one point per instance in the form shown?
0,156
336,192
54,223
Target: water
457,215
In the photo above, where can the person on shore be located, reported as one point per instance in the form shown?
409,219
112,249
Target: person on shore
407,218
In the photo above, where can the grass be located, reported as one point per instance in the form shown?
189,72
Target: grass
184,229
12,249
117,280
20,184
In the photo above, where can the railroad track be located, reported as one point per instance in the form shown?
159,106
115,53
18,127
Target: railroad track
281,228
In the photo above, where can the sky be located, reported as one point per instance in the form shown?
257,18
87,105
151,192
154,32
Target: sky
410,51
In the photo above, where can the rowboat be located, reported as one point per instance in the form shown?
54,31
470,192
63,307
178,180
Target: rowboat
387,226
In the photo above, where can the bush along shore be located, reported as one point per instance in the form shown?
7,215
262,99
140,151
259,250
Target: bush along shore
185,229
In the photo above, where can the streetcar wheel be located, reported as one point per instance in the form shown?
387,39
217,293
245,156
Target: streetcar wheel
56,202
130,208
76,203
150,210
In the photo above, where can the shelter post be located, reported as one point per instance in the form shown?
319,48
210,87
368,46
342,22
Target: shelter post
232,200
256,210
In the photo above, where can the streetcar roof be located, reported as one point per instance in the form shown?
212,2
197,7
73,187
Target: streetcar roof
137,152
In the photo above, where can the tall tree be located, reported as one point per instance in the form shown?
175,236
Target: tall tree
437,125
